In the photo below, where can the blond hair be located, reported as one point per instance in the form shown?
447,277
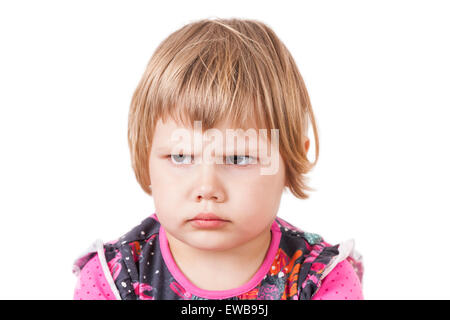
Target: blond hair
224,69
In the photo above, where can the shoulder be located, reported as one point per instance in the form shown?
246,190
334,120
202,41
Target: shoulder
97,268
316,249
129,246
318,260
92,283
312,245
307,257
342,283
146,229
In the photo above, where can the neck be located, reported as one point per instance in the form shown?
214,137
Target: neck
236,266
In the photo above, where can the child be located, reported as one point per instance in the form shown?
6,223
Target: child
215,233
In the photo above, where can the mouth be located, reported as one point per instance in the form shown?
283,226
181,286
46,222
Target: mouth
208,217
208,221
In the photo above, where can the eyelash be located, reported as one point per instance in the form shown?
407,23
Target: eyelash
250,158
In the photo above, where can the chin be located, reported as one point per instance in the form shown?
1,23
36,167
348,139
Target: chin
210,244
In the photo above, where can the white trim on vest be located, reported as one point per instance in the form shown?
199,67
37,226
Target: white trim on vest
101,256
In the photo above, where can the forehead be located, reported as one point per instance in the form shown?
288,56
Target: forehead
170,132
165,129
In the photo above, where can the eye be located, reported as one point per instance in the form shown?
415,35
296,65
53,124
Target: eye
239,160
180,159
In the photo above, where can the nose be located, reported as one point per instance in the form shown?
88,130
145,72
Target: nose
208,185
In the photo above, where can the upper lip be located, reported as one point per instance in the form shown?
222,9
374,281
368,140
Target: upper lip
207,216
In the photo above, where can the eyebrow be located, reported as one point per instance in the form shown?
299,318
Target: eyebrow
231,149
165,148
248,147
162,148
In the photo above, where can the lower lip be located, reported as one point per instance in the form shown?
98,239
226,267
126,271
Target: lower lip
208,224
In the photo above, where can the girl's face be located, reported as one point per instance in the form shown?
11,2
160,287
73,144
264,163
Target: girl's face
235,190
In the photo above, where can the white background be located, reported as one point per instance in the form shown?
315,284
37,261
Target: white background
378,74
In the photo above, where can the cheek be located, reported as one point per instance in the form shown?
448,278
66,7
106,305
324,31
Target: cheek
164,186
160,176
260,195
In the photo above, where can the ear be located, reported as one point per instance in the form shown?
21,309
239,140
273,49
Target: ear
307,145
306,148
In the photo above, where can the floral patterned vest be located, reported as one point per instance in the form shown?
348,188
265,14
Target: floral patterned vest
141,267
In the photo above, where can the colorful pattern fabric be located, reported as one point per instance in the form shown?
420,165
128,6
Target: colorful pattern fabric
142,267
